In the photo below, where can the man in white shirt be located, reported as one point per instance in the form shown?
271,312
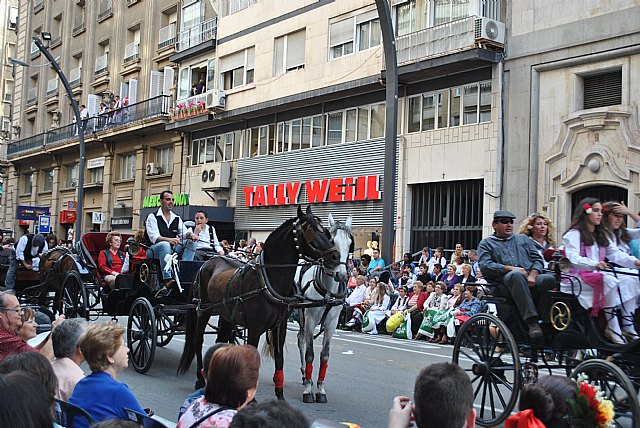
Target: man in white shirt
207,238
356,298
166,233
27,255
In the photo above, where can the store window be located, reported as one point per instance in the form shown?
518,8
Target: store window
289,52
128,166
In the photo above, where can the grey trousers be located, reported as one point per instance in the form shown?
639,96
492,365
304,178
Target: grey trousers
532,302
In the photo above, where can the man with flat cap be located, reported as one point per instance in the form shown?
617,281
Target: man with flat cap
514,263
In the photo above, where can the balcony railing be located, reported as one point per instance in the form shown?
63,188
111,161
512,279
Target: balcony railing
102,64
197,34
38,5
233,6
79,28
167,36
75,76
32,95
34,50
106,9
52,86
131,52
153,107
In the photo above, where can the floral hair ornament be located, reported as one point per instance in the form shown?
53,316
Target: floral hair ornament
590,409
587,208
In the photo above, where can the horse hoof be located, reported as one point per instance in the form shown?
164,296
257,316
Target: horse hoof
321,398
280,393
308,398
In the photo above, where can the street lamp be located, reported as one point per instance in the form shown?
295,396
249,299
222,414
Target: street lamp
76,111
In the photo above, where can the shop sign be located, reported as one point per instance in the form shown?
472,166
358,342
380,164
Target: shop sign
179,199
68,217
72,205
121,222
44,224
95,162
346,189
25,212
97,217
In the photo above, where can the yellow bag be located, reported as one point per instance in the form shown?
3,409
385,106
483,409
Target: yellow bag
394,322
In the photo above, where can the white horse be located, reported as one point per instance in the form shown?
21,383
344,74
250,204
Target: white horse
327,290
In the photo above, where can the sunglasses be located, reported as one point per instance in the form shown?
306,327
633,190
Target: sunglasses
505,220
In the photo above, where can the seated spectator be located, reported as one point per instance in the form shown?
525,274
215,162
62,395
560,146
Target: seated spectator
450,279
437,275
435,315
378,310
423,276
406,280
437,259
52,241
270,414
38,366
355,300
206,360
24,402
353,282
545,402
402,302
425,255
142,254
10,322
27,329
466,274
470,306
112,261
447,327
99,393
396,274
443,397
68,357
416,306
457,264
232,381
365,259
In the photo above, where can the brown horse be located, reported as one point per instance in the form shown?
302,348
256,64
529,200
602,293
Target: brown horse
55,265
257,295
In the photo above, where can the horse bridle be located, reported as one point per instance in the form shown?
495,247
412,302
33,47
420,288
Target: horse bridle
305,230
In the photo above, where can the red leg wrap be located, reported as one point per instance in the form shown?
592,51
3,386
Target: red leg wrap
323,370
308,371
278,378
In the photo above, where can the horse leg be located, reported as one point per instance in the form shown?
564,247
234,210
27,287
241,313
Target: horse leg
203,319
279,336
329,328
301,341
307,395
225,331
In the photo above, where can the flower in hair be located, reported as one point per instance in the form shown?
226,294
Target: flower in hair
590,409
530,223
587,208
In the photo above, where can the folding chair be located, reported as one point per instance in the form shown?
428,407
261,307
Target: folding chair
67,414
143,420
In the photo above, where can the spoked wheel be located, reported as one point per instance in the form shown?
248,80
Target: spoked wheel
487,351
164,328
141,335
616,386
74,296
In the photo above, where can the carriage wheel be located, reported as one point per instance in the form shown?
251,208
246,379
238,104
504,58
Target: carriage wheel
141,335
164,328
487,351
616,386
74,296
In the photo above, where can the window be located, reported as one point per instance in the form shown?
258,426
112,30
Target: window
202,150
128,166
301,133
289,52
164,159
13,18
78,19
193,75
102,58
449,10
441,109
447,213
361,32
405,16
601,90
47,180
96,175
191,15
334,128
72,176
132,48
237,69
169,30
27,183
56,32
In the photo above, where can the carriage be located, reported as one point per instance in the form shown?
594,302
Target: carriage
500,357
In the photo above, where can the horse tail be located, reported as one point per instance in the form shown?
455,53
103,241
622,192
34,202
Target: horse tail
191,321
268,349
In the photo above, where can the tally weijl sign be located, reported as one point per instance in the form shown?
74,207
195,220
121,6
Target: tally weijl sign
346,189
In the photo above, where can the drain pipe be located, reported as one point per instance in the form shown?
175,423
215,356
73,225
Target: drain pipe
500,143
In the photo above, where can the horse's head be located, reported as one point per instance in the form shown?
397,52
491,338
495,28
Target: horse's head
314,240
343,240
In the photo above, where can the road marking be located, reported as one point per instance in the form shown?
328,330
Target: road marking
399,349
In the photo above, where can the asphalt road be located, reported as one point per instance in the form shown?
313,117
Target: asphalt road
365,373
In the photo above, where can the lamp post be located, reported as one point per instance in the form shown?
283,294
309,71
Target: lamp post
391,128
76,111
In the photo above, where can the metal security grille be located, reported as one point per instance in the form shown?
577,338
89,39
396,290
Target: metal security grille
602,193
446,213
602,90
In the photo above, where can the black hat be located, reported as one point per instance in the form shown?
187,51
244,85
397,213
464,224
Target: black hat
503,214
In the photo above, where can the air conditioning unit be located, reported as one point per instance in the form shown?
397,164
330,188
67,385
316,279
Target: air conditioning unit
489,30
152,169
217,176
216,99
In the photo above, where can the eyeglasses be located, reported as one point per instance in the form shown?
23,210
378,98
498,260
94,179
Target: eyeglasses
505,220
18,311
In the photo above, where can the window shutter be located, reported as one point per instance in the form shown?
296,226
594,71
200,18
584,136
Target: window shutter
155,84
167,80
601,90
124,90
231,62
295,49
133,91
341,32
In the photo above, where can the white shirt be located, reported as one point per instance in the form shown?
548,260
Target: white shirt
152,225
204,240
357,296
22,245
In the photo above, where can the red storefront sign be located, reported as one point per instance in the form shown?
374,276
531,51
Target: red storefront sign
67,217
346,189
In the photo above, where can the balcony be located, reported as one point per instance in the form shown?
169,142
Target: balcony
197,34
106,10
190,107
75,76
52,87
167,36
157,107
131,52
102,64
32,96
55,42
78,29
